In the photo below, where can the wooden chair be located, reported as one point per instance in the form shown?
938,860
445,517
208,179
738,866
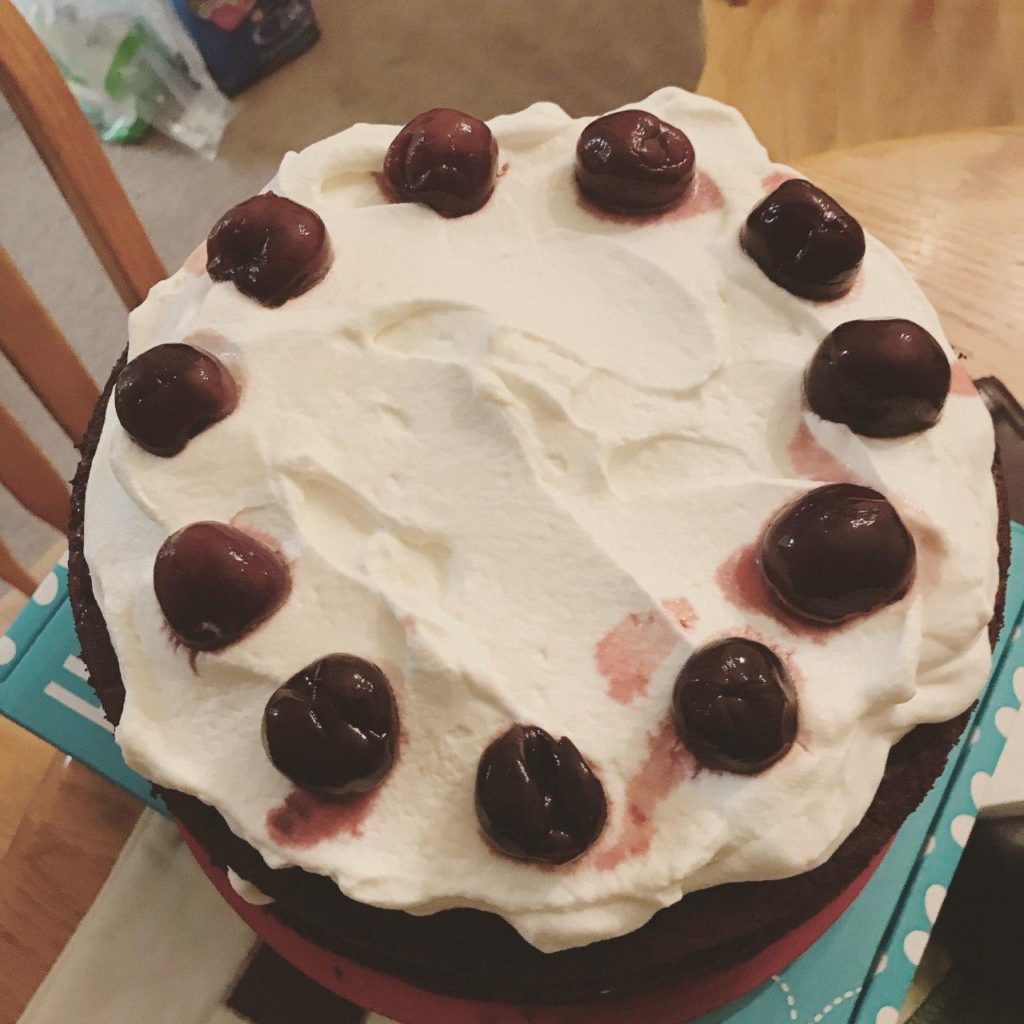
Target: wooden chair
61,826
29,338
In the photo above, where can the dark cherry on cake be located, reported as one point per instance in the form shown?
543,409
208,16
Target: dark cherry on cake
333,727
836,552
444,159
215,583
169,394
734,706
270,248
804,241
633,162
882,378
537,798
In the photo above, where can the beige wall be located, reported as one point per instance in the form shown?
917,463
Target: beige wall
812,75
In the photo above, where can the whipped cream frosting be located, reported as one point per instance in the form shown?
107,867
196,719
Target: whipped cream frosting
515,458
250,893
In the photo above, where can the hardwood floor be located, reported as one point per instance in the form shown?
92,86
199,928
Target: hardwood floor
24,760
66,842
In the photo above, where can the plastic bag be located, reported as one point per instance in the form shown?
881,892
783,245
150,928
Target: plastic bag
130,64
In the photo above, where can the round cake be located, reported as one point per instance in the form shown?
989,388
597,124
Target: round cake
547,558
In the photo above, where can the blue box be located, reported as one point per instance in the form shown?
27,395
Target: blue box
242,40
44,686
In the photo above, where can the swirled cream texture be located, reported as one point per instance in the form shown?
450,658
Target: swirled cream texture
511,458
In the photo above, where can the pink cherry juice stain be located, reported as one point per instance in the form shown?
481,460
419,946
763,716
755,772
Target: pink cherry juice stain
960,381
667,764
681,610
770,182
742,584
813,462
703,196
305,819
196,262
632,651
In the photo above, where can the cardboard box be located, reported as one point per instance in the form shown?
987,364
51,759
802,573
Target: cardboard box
44,686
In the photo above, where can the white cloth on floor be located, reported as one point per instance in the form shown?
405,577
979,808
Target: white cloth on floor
158,945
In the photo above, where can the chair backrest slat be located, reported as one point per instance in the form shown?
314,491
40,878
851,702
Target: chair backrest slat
30,476
35,347
13,572
68,146
29,339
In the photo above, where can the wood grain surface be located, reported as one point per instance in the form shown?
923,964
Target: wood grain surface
65,844
30,476
24,760
36,348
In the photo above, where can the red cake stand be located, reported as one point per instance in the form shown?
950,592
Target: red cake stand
409,1004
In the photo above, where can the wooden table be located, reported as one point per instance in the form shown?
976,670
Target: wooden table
950,206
